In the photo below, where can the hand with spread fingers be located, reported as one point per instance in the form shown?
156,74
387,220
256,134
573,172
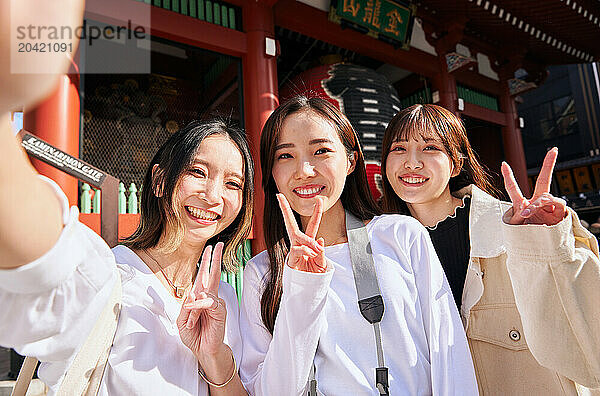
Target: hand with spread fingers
201,321
306,253
543,207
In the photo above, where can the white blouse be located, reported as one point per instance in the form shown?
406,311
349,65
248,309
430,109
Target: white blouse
423,339
50,305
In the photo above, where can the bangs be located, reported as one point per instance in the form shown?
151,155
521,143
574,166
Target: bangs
421,123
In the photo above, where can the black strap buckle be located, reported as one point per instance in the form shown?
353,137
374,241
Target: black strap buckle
372,308
381,381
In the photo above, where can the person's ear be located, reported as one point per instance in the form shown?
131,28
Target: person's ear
158,182
352,157
458,167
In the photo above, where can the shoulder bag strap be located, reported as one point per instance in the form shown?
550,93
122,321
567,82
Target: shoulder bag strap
87,369
370,301
25,376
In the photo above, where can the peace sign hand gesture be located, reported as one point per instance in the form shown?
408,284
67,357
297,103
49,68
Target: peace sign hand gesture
201,321
306,254
543,207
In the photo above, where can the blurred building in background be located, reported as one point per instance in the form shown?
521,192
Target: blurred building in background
565,112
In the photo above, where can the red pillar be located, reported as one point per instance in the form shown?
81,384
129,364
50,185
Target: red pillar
260,95
445,83
513,141
56,120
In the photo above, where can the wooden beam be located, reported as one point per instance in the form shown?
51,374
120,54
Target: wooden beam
480,82
311,22
168,25
485,114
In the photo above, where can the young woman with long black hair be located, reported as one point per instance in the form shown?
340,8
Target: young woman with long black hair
57,275
299,304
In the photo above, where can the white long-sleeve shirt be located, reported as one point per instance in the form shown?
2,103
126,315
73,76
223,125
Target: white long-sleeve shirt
49,307
423,339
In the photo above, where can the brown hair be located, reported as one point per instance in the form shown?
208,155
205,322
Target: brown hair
159,215
356,196
424,120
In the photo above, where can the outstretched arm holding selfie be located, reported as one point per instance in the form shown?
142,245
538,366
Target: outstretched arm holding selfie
44,267
30,212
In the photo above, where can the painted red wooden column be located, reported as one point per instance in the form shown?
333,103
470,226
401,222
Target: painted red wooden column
445,83
260,94
512,139
56,120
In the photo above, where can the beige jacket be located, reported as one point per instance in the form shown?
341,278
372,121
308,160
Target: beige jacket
531,303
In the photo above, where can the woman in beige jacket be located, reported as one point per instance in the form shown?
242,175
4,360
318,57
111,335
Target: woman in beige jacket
525,275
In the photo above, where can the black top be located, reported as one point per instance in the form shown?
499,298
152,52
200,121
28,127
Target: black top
450,239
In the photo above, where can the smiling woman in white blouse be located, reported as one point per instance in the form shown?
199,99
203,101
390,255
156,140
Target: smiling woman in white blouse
300,305
174,336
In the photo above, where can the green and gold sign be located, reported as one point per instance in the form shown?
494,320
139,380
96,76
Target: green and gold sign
384,19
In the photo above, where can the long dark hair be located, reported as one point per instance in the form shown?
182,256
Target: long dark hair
356,196
424,120
159,212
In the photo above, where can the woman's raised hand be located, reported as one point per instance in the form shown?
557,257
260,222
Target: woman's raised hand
201,321
306,253
543,207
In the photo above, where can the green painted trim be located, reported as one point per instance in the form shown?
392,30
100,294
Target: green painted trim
209,11
122,199
232,18
420,97
224,16
206,10
85,199
132,200
96,201
184,7
476,97
193,9
201,9
217,13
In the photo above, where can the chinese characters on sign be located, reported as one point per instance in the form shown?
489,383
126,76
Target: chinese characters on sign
386,18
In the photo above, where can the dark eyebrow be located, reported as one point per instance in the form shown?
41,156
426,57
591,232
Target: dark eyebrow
235,174
322,140
314,141
284,145
425,139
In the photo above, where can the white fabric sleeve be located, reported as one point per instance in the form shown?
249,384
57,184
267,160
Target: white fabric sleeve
555,273
452,370
50,305
280,364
